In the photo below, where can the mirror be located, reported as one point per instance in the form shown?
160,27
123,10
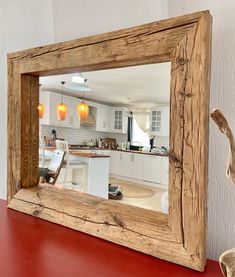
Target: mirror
183,41
120,151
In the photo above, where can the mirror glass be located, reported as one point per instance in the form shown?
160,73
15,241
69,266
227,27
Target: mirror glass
106,133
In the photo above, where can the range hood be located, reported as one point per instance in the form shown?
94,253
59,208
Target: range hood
89,122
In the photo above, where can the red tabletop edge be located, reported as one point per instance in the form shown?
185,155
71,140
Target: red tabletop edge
30,247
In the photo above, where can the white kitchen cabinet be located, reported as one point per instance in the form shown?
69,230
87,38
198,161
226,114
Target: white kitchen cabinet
133,165
116,163
159,121
165,171
72,116
103,118
119,120
127,164
50,101
152,168
138,166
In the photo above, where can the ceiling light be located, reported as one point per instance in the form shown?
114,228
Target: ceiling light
41,110
40,106
78,87
61,108
83,111
78,79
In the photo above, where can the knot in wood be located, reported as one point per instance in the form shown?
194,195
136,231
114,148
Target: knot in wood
181,61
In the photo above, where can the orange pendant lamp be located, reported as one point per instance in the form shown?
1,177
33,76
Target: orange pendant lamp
40,106
83,111
61,108
41,110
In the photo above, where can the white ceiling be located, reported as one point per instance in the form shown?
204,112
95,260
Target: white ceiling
136,85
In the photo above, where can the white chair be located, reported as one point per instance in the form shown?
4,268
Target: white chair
71,164
44,159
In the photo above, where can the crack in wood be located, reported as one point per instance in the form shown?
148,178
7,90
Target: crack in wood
118,223
118,220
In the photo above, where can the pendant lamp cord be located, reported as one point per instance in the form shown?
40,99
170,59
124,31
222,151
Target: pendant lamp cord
62,91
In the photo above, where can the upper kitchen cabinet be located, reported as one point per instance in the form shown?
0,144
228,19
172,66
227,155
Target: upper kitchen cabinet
119,120
50,101
159,121
104,118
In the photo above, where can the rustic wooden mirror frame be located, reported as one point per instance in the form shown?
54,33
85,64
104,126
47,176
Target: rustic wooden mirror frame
179,237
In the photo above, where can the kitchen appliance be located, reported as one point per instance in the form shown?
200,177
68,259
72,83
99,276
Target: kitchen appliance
151,142
53,135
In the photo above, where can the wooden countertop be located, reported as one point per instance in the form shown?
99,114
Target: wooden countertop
143,153
79,153
87,155
75,151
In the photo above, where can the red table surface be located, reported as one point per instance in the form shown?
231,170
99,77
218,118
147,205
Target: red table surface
33,247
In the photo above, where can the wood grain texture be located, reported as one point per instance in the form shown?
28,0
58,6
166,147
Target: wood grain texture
185,41
14,131
29,130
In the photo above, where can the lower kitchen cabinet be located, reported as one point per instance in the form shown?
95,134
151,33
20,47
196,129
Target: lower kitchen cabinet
116,164
165,171
152,168
142,167
138,166
127,164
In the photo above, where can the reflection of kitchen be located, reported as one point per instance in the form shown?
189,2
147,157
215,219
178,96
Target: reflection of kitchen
117,149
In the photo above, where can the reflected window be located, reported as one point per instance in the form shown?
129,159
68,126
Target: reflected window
139,137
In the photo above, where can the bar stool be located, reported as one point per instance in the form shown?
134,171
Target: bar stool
72,164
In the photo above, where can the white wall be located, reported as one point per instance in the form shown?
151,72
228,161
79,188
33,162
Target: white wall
221,231
23,24
79,18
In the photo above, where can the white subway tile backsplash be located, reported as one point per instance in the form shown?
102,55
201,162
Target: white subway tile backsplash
79,136
161,141
84,134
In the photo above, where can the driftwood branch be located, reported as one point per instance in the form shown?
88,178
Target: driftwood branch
227,259
227,263
223,125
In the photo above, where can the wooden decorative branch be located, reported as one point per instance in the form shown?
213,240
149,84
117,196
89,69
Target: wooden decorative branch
227,263
227,259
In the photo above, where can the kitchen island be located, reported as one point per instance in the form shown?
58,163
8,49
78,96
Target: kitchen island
96,170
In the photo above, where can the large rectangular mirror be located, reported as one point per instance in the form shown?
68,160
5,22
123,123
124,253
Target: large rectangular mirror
125,131
121,147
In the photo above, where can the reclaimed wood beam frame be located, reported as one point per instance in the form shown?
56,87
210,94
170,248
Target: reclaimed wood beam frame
185,41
